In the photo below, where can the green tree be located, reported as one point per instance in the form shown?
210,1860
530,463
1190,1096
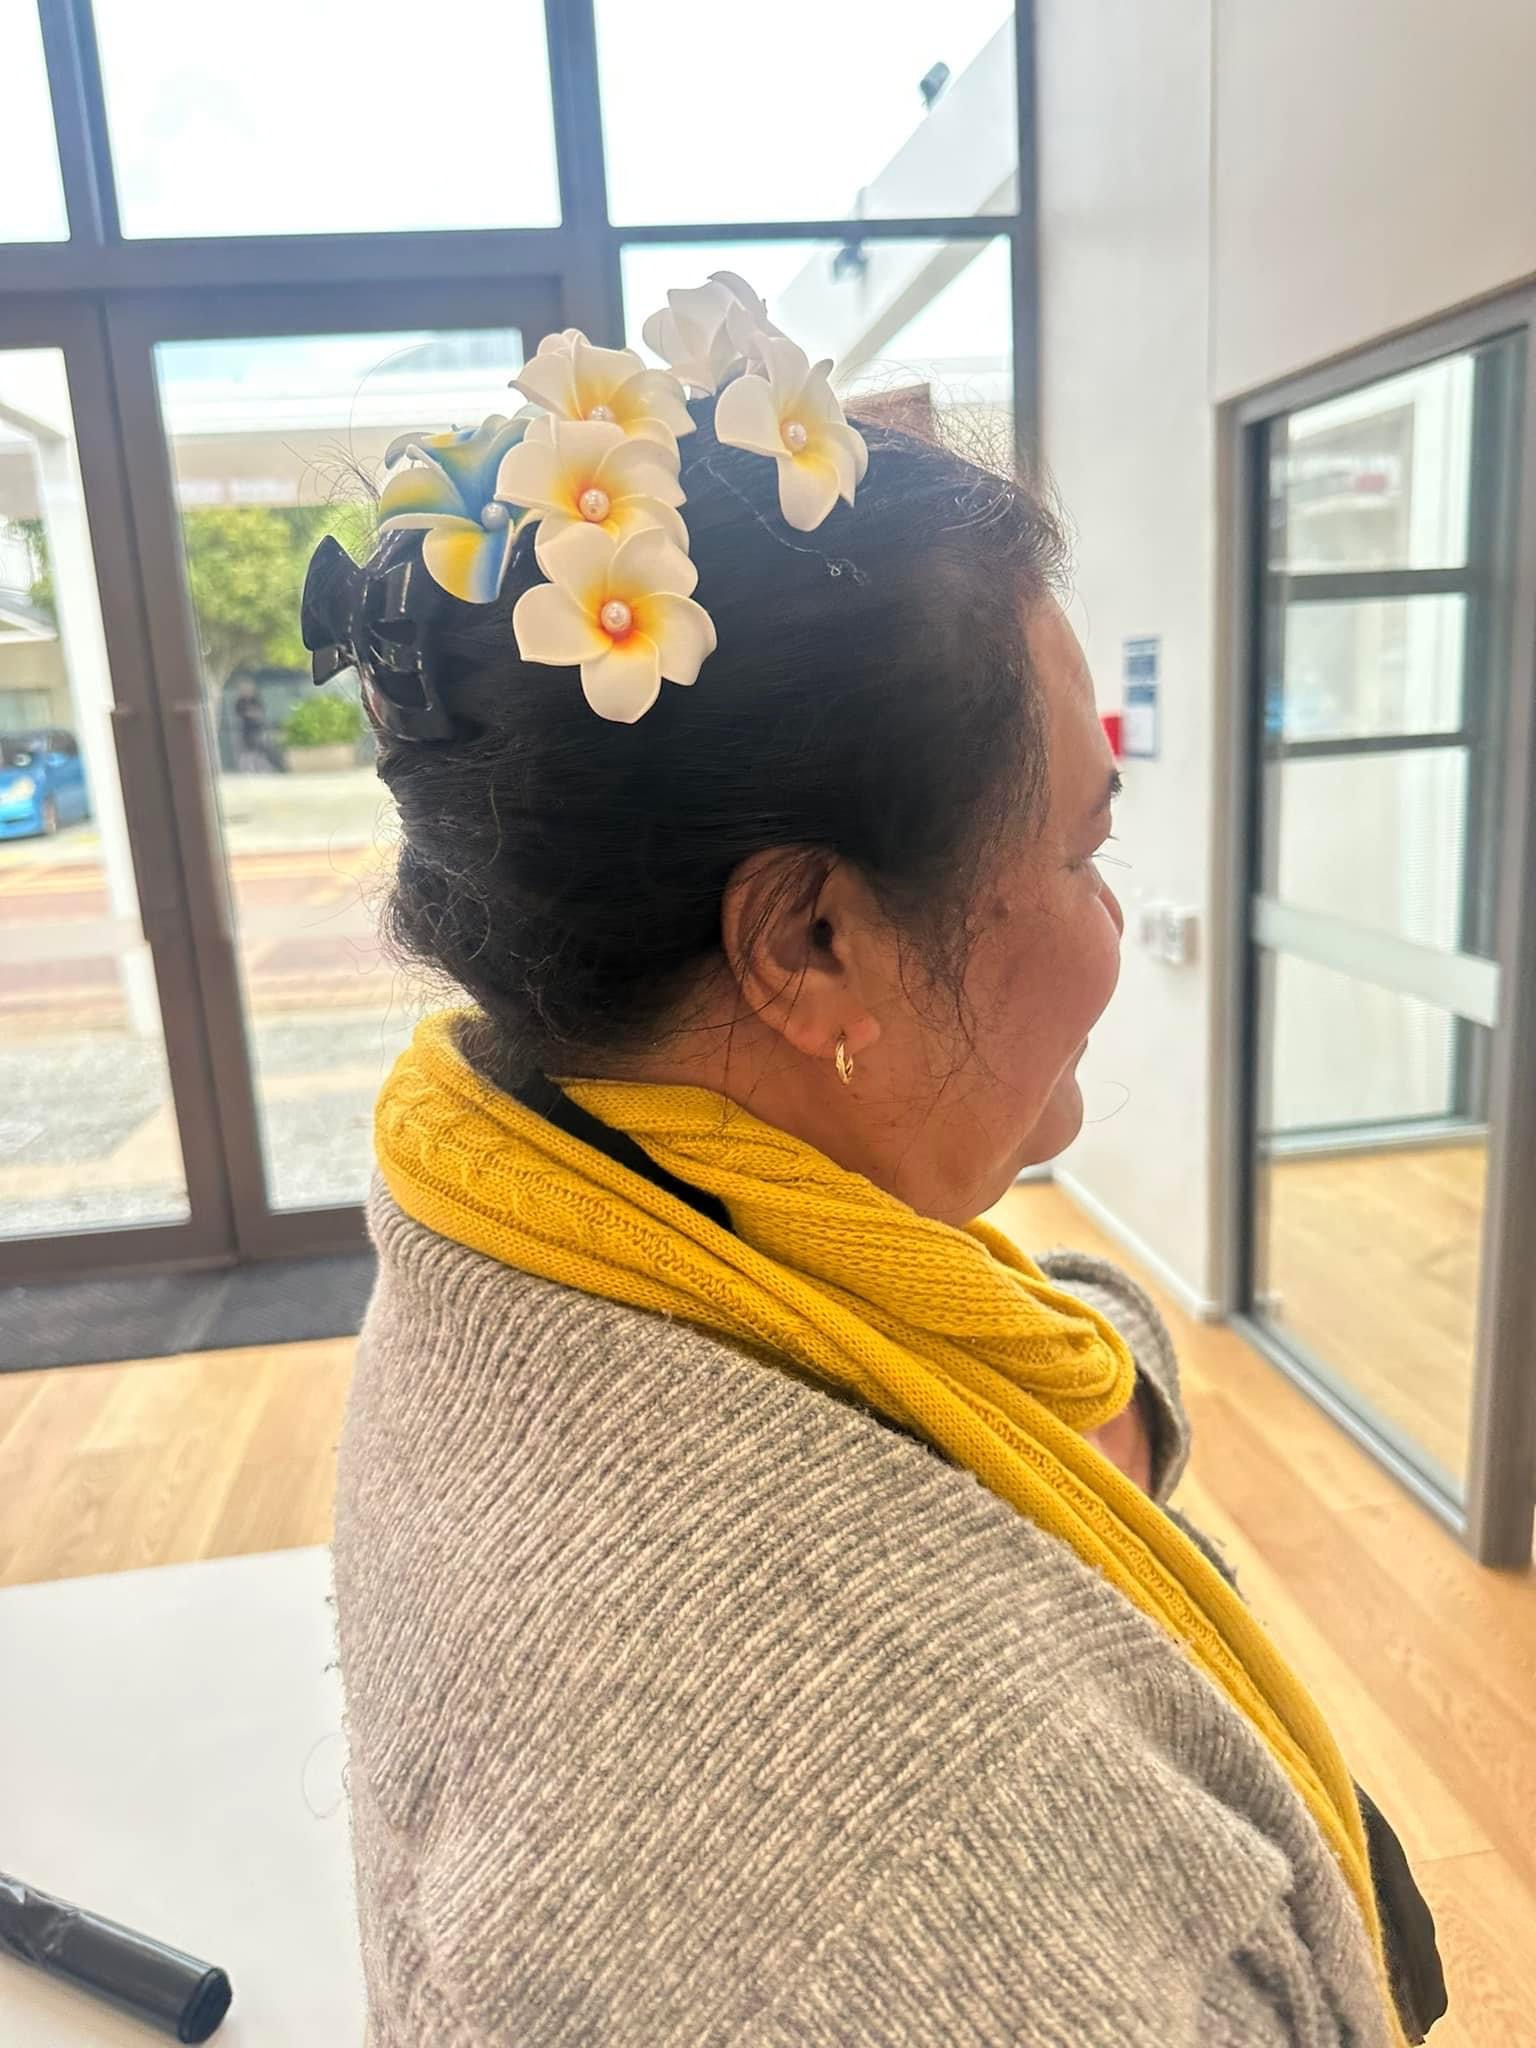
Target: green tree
246,566
324,722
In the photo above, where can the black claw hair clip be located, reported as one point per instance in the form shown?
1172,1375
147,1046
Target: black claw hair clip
374,619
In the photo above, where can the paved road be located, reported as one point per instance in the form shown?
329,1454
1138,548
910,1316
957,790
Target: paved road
257,813
304,920
87,1131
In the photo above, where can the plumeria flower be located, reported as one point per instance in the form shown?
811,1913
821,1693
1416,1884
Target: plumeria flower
575,381
792,415
746,319
450,492
708,332
572,473
624,611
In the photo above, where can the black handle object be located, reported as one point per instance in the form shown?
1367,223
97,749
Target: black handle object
174,1992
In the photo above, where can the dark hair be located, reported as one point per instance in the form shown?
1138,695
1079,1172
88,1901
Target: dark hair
870,701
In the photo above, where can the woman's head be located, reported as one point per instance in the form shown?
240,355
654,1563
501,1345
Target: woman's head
872,818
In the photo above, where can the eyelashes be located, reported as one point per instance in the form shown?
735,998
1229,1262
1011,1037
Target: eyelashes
1100,859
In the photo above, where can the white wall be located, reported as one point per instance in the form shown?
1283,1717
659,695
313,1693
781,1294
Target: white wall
34,689
1230,192
1374,164
1124,91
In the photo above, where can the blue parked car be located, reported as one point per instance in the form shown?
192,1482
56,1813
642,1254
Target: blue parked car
42,783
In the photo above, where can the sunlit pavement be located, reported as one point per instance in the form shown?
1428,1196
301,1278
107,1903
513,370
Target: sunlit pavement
260,814
87,1132
308,859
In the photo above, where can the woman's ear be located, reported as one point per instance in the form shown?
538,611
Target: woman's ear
798,932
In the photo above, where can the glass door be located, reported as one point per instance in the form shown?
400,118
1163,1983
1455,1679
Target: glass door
106,1114
1388,653
254,426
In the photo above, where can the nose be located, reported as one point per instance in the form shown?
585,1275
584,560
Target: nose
1112,905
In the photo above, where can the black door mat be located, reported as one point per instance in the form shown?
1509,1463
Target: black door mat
96,1322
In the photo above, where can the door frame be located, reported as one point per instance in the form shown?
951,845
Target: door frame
135,324
74,327
1494,1517
133,292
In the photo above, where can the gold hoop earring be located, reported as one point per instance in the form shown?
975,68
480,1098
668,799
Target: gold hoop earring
844,1061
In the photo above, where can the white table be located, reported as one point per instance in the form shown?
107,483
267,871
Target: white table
171,1756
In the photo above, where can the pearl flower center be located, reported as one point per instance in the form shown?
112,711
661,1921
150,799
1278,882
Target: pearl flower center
494,514
616,617
795,437
602,412
593,503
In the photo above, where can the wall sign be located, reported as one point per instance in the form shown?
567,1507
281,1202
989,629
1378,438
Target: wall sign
1138,725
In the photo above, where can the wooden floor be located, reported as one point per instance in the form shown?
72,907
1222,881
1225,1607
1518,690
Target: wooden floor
104,1468
1373,1262
1425,1664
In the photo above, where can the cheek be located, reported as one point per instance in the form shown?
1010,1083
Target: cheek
1052,969
1104,929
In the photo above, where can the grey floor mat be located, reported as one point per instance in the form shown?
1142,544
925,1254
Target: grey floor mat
93,1322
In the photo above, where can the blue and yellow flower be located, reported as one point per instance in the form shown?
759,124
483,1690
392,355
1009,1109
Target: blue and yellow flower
449,492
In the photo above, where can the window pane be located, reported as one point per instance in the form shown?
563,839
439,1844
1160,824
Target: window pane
312,118
1342,1052
88,1135
1368,1241
274,443
1370,1105
31,194
807,112
1374,666
1379,839
1377,479
931,317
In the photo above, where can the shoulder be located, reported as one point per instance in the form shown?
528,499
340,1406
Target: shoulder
528,1456
679,1686
510,1441
447,1327
610,1415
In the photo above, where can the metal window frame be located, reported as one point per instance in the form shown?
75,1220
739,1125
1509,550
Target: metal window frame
111,299
75,330
1494,1516
1372,743
1346,586
583,252
1483,657
135,326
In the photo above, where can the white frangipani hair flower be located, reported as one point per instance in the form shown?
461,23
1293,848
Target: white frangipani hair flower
793,415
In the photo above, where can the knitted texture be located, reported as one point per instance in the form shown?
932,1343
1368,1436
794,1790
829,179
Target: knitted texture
822,1267
690,1708
952,1332
1130,1309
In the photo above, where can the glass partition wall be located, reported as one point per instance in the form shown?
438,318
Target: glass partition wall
1390,1062
210,330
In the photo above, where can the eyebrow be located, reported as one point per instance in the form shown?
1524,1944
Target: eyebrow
1112,789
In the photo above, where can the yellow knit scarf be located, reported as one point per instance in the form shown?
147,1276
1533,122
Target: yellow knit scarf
953,1333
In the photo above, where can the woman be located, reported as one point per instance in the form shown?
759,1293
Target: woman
752,1628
